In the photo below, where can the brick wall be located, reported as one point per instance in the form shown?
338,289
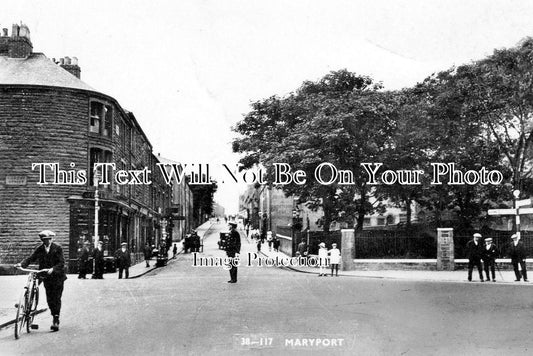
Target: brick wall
49,125
37,125
19,47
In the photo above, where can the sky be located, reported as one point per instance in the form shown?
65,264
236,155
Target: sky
189,69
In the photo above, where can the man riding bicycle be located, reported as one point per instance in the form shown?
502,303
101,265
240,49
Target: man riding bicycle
49,255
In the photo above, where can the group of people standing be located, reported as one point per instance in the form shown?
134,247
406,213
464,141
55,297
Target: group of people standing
333,256
272,241
485,253
192,242
122,258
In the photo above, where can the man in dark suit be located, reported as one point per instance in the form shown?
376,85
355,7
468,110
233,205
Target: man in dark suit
233,249
147,254
83,261
474,252
490,253
194,241
49,256
98,255
123,260
517,252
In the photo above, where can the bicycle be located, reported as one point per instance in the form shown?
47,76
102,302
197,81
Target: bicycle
27,305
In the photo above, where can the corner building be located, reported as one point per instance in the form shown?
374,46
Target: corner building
48,115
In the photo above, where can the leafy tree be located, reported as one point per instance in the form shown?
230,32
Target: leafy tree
498,94
343,119
454,135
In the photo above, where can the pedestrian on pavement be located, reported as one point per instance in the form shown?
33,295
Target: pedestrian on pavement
490,253
83,261
49,255
195,241
275,243
147,251
474,252
322,259
258,245
123,260
517,252
302,249
269,240
174,251
187,243
334,259
98,257
233,249
263,234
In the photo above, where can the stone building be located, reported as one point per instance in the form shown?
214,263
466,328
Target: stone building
49,116
180,217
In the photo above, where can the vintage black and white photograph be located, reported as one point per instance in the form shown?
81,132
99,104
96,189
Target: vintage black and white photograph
282,177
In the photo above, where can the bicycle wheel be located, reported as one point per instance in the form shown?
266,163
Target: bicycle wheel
33,300
21,314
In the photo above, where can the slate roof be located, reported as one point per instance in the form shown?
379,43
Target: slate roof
37,69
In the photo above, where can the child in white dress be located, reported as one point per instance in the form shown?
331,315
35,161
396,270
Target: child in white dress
334,259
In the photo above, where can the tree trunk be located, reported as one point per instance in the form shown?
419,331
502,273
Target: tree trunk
362,211
327,206
408,211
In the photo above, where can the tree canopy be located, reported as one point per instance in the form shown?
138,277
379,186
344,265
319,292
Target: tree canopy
476,115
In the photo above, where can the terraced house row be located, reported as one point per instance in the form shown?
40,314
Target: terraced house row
48,115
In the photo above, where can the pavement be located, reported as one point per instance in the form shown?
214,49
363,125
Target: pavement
502,277
10,296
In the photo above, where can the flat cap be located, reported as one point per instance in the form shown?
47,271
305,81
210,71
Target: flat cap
46,234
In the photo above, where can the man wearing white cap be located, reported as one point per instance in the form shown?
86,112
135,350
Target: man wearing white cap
490,253
517,252
474,251
49,255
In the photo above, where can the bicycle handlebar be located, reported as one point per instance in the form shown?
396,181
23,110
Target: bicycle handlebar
32,270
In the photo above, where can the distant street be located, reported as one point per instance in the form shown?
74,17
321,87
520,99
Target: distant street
182,309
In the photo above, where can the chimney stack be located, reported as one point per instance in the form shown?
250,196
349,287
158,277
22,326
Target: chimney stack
18,45
71,66
4,46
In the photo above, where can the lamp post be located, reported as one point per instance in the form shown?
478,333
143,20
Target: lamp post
96,210
516,194
96,207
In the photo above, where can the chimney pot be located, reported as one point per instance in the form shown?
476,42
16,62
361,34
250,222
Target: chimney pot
15,31
5,31
74,61
24,31
61,61
67,60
